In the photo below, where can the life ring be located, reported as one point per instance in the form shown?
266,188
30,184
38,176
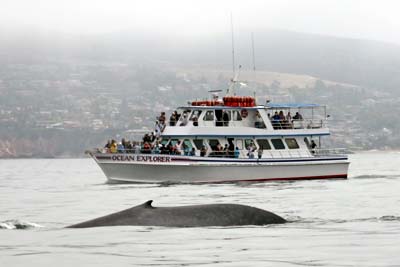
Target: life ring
244,113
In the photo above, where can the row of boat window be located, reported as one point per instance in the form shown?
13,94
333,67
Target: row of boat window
264,144
210,115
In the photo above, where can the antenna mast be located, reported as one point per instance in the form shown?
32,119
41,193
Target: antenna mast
233,48
254,57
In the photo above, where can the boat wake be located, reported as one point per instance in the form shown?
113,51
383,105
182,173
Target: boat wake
18,225
375,176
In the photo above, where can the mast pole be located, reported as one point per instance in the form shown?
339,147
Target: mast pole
233,48
254,57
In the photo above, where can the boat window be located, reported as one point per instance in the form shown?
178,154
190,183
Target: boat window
195,115
188,144
263,144
198,143
164,142
236,115
291,143
277,143
173,142
186,147
239,143
209,116
213,143
248,142
185,112
227,115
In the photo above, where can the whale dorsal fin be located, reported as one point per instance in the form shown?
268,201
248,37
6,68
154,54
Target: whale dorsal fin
147,204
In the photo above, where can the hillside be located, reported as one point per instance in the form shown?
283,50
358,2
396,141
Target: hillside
360,62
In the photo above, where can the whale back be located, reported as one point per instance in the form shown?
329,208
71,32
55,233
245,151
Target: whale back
186,216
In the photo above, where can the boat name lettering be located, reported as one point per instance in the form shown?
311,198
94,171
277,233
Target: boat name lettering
141,158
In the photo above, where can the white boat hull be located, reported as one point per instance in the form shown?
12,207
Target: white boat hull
180,169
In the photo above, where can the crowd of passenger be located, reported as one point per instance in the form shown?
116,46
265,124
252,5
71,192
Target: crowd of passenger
280,121
151,142
149,145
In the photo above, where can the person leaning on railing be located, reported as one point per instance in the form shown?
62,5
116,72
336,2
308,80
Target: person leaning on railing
313,146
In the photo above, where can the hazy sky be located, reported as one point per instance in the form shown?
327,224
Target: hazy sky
377,20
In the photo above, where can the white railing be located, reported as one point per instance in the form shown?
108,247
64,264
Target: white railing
329,152
299,124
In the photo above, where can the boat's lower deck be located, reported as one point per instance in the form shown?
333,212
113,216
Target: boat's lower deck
181,169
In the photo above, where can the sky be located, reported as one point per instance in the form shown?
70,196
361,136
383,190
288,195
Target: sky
365,19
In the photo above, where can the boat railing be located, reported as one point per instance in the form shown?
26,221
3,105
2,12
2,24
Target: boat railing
241,153
299,124
329,152
276,124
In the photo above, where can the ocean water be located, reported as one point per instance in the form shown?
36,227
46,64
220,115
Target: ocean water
354,222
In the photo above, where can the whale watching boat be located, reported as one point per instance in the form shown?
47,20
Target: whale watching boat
228,139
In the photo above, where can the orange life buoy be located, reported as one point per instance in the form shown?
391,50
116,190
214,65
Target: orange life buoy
244,113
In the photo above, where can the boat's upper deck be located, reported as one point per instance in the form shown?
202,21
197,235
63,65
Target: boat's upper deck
270,119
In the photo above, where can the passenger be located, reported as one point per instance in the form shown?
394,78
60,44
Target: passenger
170,149
260,152
161,119
226,150
313,146
250,151
152,137
184,120
298,116
225,118
107,146
128,147
192,152
203,151
185,149
172,119
282,120
120,148
195,121
146,148
276,116
157,130
162,126
219,151
237,153
289,116
113,147
281,116
258,121
289,121
146,138
231,149
178,116
275,120
163,149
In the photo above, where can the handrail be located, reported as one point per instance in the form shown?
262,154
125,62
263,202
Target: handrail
330,152
273,154
276,124
299,124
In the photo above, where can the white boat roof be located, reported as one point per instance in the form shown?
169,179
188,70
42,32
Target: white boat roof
269,105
